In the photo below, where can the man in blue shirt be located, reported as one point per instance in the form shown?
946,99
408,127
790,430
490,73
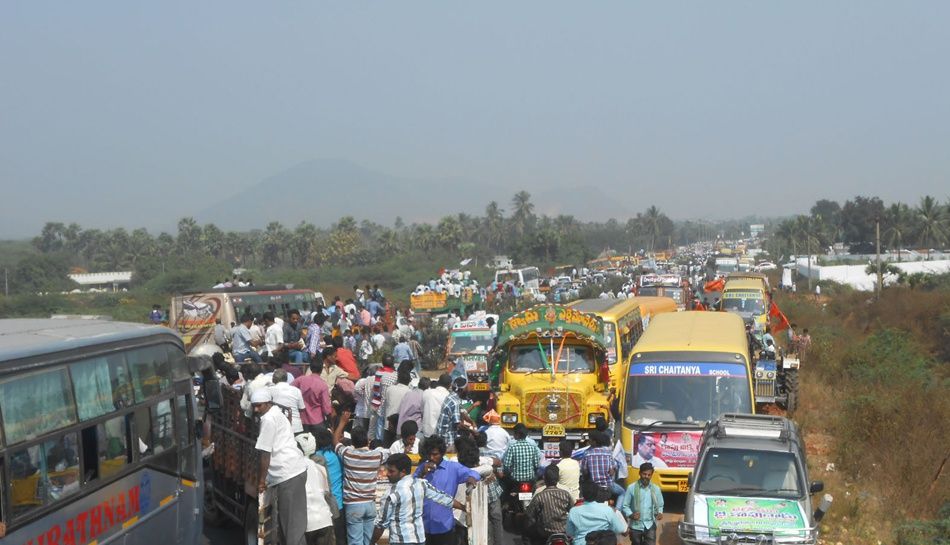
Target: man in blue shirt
592,516
402,351
334,474
446,476
643,505
243,342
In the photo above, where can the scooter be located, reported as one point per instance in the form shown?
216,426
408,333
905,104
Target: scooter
513,509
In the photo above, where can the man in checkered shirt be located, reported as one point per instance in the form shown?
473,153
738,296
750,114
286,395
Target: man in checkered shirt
450,417
522,457
599,463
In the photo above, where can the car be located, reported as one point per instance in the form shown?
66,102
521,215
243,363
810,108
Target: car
750,485
765,266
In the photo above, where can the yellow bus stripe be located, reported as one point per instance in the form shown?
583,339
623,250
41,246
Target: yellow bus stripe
186,482
129,522
166,500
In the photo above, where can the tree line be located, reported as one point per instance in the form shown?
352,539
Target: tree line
856,222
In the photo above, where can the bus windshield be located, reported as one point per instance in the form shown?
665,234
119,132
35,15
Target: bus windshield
674,293
753,305
652,290
685,392
471,342
573,358
503,277
750,473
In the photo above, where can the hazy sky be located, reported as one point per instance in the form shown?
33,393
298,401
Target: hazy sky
137,113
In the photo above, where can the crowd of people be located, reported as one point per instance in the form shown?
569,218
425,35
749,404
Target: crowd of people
330,420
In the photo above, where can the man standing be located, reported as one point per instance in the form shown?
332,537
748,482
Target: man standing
497,436
451,415
446,476
316,398
402,351
384,378
360,468
391,401
643,506
346,360
547,512
599,463
432,400
273,335
592,516
410,408
243,341
282,467
401,510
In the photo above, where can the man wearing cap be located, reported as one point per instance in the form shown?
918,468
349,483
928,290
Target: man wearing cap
283,467
498,438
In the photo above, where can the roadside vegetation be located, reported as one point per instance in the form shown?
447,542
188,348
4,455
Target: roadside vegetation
875,409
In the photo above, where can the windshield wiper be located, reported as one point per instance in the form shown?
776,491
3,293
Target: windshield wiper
533,371
734,491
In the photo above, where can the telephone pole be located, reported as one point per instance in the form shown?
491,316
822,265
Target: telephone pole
877,237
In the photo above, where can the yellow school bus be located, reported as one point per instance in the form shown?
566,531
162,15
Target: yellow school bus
686,370
624,322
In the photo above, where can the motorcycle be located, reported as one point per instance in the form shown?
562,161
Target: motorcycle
515,504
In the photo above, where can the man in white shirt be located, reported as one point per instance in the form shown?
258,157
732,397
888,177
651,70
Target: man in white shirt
392,398
319,514
498,438
432,400
283,467
274,336
288,397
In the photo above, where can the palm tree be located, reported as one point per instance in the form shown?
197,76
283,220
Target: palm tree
189,237
932,220
424,237
449,232
494,224
652,225
523,213
898,221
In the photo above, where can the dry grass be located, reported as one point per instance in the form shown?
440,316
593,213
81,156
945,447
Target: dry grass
875,404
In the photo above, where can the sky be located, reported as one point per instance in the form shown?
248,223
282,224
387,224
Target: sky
134,114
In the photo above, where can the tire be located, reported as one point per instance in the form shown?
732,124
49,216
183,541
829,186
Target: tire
791,390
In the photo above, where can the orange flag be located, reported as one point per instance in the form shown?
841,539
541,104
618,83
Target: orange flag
774,312
715,285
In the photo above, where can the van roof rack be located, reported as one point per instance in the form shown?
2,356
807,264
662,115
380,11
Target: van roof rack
760,426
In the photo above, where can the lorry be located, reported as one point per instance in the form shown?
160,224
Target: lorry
552,371
432,302
468,345
751,485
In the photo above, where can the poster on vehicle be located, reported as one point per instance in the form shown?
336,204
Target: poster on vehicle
749,514
674,449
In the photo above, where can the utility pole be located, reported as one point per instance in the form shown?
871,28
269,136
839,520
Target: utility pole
877,236
6,283
808,251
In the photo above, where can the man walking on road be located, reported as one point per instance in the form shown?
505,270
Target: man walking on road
643,506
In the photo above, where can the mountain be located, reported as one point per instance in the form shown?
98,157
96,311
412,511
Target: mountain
324,190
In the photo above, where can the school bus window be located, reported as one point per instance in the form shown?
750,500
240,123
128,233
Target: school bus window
93,382
142,442
145,366
35,404
43,473
186,433
179,365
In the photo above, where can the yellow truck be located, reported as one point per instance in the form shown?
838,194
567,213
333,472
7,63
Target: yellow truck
554,373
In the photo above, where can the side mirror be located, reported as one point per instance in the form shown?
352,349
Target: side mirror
816,487
600,387
689,480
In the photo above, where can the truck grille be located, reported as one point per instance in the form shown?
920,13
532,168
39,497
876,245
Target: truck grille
554,408
764,388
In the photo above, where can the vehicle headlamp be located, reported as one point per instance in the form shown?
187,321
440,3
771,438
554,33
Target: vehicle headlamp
759,373
771,374
592,417
509,418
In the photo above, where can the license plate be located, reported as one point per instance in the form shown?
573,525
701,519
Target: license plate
479,386
553,430
551,449
682,486
525,496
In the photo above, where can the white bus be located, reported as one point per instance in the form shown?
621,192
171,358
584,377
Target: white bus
98,440
528,278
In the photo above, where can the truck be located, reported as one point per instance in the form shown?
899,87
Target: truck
431,302
468,345
552,371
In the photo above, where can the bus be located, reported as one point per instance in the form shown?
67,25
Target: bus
686,370
98,439
747,295
629,317
528,278
193,314
666,285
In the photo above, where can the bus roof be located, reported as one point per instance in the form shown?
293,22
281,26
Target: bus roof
23,338
694,331
744,284
615,308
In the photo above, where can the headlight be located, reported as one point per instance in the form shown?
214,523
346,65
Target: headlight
509,418
759,373
771,374
592,417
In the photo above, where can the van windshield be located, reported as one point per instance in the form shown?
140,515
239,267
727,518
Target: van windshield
573,359
471,342
741,472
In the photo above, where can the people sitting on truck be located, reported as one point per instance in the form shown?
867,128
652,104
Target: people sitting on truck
769,349
243,343
767,336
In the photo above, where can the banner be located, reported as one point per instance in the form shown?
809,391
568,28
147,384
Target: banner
753,514
687,369
675,449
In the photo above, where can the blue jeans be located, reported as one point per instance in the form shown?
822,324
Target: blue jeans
296,356
240,357
617,492
359,522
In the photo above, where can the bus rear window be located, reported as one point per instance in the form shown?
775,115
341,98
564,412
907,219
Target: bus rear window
149,368
43,474
101,386
36,404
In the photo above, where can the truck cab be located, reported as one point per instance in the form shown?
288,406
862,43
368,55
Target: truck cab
468,345
553,373
751,485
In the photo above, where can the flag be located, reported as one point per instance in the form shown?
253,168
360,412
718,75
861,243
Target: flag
715,285
774,312
465,262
